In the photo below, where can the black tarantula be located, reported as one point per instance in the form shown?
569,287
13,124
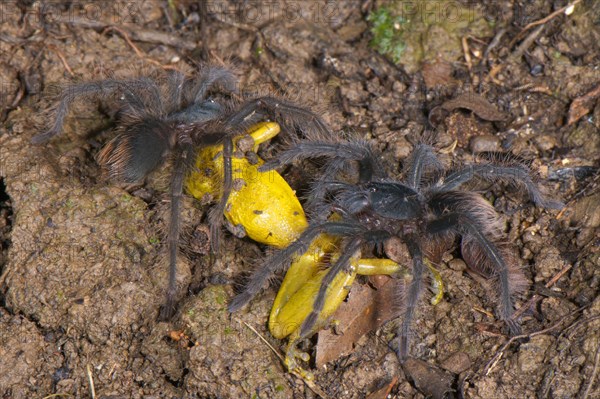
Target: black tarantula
426,211
173,116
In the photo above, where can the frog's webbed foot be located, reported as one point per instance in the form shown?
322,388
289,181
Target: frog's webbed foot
437,283
293,358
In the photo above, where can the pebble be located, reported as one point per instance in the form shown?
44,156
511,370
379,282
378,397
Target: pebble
458,265
532,353
545,142
457,362
485,143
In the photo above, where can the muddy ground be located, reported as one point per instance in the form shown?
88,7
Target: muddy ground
81,261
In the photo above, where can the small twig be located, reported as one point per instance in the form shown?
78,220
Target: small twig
542,21
562,211
493,44
594,374
575,326
62,58
141,35
125,36
56,395
492,363
238,25
263,339
466,52
137,51
91,381
483,311
518,53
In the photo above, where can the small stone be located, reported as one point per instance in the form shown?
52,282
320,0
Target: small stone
545,142
457,362
458,265
402,148
398,87
532,353
485,143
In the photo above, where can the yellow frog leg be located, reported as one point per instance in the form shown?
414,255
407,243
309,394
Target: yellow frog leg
262,132
297,294
290,317
295,298
375,266
304,267
437,285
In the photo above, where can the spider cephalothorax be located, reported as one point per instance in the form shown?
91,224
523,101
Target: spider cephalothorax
172,116
428,211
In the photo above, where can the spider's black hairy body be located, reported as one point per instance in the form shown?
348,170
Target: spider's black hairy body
173,117
427,209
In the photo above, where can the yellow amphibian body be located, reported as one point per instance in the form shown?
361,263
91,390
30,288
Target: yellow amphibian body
262,205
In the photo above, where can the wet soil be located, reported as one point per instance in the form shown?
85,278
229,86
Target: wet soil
81,262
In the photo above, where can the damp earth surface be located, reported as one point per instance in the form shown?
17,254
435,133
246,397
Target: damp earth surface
82,263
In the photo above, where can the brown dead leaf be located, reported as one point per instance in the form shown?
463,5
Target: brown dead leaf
583,105
383,392
366,310
477,104
429,380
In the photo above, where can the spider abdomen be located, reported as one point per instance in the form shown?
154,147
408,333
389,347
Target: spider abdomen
136,152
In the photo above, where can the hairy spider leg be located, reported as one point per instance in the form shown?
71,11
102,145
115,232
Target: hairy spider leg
176,81
212,76
215,216
341,154
341,265
287,114
468,226
192,93
130,87
176,193
422,158
513,174
413,294
281,258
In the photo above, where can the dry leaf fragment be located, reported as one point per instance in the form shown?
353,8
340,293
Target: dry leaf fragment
583,105
366,310
477,104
